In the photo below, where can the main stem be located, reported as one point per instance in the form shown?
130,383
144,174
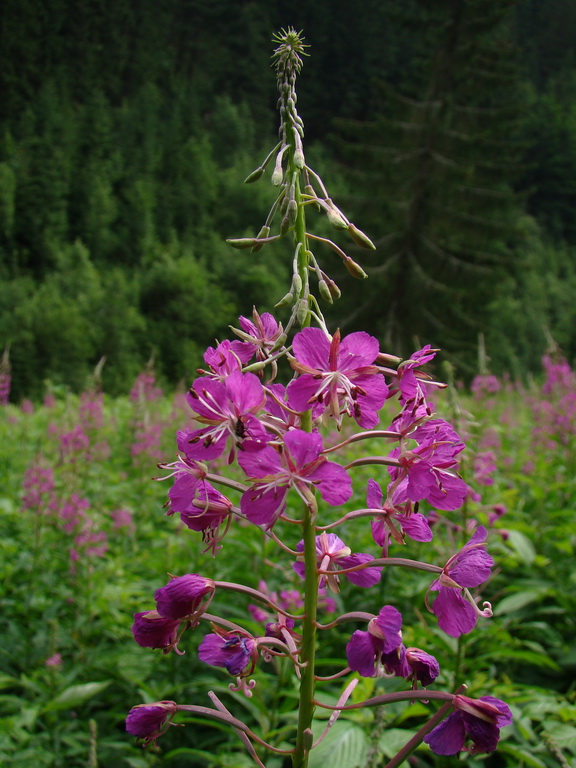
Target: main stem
308,649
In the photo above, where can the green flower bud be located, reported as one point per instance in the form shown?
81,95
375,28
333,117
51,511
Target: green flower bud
302,312
325,291
299,161
333,288
254,176
360,238
285,225
285,301
292,211
242,242
280,341
297,284
254,368
336,219
264,232
277,175
354,269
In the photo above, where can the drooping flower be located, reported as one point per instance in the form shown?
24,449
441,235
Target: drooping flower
479,719
333,555
183,596
337,376
151,630
425,668
149,721
228,408
296,464
384,525
207,512
366,651
233,651
457,615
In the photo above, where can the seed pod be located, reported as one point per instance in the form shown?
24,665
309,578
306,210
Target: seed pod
254,176
360,238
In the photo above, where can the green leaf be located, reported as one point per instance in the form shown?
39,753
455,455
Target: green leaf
519,600
345,746
75,695
394,739
522,545
523,757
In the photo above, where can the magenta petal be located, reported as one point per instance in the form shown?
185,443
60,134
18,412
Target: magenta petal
245,391
261,463
367,577
301,391
304,447
357,350
454,613
311,346
374,495
333,482
505,716
233,653
448,493
263,507
416,526
361,653
484,735
448,737
183,491
389,622
197,446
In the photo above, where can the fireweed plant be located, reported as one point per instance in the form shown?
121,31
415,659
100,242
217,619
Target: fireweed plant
274,432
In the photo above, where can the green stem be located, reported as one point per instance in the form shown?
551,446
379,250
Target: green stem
308,649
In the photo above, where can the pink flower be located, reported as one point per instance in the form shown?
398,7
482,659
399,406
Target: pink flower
228,356
207,512
151,630
479,719
261,333
228,409
469,567
234,651
149,721
409,384
337,376
183,596
296,464
54,661
384,525
332,555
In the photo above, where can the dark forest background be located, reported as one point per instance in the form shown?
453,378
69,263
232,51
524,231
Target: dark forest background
445,130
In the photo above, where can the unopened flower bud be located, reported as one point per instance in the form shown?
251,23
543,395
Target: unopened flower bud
325,291
285,225
333,288
354,269
242,242
254,367
279,343
264,232
299,161
302,312
285,301
336,219
360,238
277,175
292,211
309,189
254,176
297,284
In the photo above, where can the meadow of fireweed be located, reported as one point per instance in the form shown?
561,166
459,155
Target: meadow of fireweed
85,547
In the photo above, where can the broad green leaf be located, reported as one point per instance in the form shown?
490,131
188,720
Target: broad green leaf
75,695
345,746
394,739
563,735
519,600
523,757
522,545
